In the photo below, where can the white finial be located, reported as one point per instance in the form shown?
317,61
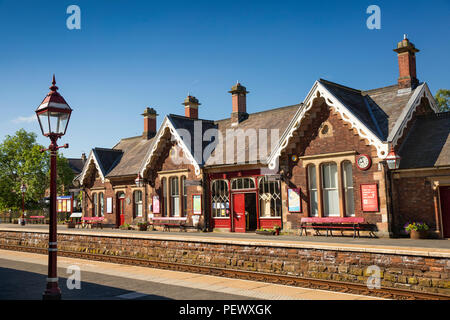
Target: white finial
404,36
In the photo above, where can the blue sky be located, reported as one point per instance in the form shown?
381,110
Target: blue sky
132,54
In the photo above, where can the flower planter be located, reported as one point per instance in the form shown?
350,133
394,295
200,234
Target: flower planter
143,228
266,233
418,234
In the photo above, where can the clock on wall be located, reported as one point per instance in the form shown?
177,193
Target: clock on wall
363,162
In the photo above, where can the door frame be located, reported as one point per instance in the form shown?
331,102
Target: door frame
233,226
120,207
439,204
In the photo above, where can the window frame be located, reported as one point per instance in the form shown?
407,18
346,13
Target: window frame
327,191
274,194
225,194
243,179
138,204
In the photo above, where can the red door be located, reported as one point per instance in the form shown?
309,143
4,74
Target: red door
239,212
122,217
444,193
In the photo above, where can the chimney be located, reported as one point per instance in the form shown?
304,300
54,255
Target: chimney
191,107
239,102
149,123
83,157
406,52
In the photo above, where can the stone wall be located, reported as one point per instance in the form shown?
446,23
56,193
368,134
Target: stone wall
406,271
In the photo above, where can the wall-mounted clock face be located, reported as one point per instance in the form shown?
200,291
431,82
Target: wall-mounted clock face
363,162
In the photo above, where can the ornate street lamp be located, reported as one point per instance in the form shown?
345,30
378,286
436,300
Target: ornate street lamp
23,189
53,115
393,159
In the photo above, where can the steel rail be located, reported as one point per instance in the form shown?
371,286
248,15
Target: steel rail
330,285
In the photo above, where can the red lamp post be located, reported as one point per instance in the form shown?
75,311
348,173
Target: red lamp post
23,189
53,115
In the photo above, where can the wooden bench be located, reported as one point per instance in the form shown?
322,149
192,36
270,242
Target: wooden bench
333,223
170,222
92,221
36,219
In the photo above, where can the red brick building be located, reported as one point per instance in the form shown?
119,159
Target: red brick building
323,157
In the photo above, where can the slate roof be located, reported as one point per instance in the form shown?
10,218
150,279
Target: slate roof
76,165
194,127
107,158
428,144
277,119
379,109
133,151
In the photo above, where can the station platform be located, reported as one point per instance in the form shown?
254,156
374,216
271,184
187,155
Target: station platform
426,248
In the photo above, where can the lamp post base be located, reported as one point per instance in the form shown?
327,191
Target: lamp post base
52,294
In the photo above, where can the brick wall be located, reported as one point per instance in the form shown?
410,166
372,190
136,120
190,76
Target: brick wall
340,137
421,273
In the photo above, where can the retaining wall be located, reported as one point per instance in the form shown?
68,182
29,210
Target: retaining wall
399,270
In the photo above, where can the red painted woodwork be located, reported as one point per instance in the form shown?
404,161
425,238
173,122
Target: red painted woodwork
269,223
121,213
444,193
239,212
221,223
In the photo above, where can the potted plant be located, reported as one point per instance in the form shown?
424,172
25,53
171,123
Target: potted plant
125,226
417,230
277,230
143,226
267,232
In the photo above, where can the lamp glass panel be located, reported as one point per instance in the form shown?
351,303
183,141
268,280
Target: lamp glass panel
58,122
43,120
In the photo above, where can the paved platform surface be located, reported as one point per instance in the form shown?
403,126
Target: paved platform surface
426,247
22,276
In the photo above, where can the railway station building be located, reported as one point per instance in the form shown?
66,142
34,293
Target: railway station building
327,156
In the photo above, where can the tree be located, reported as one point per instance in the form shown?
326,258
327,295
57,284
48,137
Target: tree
22,162
442,98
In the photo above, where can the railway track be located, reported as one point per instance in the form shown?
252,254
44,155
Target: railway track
345,287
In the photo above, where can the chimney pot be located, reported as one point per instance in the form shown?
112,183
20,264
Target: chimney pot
149,123
239,103
191,107
406,52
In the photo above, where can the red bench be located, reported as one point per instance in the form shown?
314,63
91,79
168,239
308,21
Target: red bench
36,219
92,221
169,222
332,223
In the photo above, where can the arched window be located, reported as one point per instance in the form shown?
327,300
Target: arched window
269,198
220,199
137,195
184,190
174,197
101,199
94,205
347,174
164,197
330,190
243,183
312,188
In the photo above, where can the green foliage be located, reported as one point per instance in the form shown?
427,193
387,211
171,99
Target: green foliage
22,162
442,98
416,226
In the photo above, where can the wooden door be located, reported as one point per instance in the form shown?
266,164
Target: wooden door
239,212
444,193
